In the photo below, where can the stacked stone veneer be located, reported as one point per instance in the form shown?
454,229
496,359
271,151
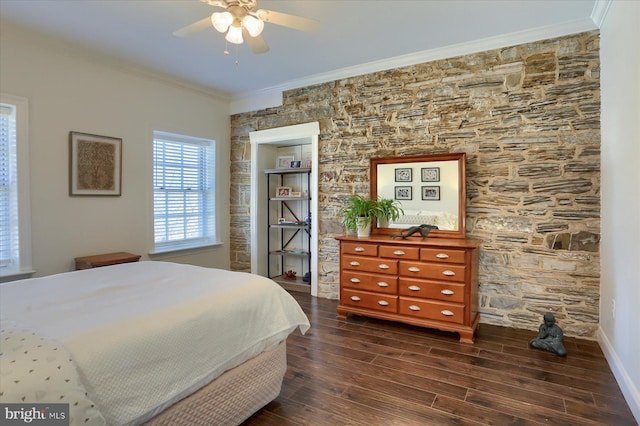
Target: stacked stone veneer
528,118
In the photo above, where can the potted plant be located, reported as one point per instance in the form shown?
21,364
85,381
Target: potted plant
358,213
388,210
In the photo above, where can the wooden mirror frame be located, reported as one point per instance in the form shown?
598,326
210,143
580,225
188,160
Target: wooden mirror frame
462,189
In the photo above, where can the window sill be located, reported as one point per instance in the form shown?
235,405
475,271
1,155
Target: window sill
8,276
167,251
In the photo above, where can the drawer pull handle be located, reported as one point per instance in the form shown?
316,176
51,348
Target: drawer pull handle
356,280
355,298
399,253
447,292
359,249
448,273
442,256
383,303
354,263
383,266
414,307
414,288
414,269
383,284
447,313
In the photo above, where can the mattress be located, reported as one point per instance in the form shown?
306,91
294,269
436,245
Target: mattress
144,335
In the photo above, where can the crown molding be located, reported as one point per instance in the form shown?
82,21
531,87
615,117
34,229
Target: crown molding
599,12
268,97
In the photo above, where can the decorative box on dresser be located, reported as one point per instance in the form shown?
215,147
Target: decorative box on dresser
431,282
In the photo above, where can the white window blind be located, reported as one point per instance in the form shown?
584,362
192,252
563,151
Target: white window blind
9,230
15,214
184,192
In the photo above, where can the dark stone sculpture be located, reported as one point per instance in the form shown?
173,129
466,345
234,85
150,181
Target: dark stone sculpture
422,229
550,337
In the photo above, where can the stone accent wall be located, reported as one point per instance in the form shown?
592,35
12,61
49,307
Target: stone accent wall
527,116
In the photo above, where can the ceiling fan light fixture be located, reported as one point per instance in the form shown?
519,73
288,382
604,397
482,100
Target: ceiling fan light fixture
253,25
221,21
234,35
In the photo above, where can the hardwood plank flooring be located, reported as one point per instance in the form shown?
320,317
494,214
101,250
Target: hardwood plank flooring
364,371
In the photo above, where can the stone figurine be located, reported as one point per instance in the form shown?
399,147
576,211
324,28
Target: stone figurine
550,337
422,229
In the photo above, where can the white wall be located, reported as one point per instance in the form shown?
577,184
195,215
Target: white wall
620,249
71,90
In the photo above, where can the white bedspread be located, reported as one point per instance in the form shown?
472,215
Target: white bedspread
146,334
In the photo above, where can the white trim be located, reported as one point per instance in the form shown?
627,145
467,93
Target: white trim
599,12
301,134
241,101
629,389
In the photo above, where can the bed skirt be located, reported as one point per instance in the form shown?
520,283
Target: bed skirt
234,396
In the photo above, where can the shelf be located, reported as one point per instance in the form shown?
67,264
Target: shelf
292,285
289,199
283,226
287,171
291,253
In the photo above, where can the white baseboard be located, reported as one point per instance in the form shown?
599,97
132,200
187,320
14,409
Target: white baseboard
628,388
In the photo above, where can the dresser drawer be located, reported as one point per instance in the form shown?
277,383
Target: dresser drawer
444,272
371,282
396,252
359,249
442,255
379,266
448,292
369,300
432,310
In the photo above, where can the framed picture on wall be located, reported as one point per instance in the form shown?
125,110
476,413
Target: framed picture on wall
431,174
403,193
95,164
431,193
403,174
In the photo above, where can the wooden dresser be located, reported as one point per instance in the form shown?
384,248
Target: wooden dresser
431,283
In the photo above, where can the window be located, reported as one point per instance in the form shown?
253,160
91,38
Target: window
15,217
183,192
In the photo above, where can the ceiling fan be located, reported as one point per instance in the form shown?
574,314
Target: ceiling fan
241,22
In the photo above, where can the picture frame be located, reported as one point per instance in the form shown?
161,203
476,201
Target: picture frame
95,164
430,174
308,164
431,193
295,194
283,191
295,164
284,162
403,192
404,174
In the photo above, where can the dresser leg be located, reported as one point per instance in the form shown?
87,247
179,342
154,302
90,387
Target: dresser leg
342,313
466,337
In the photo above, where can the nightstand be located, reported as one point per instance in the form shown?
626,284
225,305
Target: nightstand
88,262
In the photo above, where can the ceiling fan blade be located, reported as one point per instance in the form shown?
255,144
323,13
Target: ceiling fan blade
289,21
194,28
216,3
257,44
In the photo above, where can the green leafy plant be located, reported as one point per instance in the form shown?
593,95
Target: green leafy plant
358,209
388,210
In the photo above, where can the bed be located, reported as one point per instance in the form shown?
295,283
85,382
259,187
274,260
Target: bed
147,342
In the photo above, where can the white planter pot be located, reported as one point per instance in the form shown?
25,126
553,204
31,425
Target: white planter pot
363,230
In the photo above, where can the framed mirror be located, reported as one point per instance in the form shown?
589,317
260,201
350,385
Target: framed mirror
431,189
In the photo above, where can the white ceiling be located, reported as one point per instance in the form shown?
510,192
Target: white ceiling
356,36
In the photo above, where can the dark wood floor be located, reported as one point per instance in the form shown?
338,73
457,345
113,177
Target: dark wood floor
364,371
